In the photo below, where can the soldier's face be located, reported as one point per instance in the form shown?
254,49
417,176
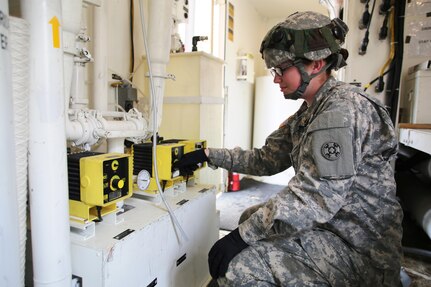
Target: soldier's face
289,81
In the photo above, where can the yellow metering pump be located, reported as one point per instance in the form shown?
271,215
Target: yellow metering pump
168,152
143,166
97,181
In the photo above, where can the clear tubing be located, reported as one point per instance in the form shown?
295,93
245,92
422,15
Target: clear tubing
154,106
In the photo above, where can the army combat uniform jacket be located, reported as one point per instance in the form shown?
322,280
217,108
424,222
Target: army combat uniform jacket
341,202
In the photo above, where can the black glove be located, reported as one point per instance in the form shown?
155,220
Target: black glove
189,162
223,251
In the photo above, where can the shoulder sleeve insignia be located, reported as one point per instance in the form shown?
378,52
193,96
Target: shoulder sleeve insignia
331,150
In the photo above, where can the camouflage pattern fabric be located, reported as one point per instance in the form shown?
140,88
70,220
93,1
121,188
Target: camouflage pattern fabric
309,22
338,222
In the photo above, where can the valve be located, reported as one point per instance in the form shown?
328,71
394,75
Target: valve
195,41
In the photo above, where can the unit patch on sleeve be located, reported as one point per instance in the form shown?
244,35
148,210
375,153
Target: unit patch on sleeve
331,150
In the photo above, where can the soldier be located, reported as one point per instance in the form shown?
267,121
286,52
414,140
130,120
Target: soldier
338,222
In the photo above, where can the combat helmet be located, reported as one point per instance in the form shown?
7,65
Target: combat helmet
305,35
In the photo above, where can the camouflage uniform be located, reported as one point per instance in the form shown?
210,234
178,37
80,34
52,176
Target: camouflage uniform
338,222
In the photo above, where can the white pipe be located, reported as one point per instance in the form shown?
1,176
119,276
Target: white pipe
100,53
9,231
49,205
116,145
19,40
86,127
71,13
74,131
159,44
77,90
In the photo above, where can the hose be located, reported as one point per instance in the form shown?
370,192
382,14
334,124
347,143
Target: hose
154,107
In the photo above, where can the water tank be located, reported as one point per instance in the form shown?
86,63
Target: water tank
270,110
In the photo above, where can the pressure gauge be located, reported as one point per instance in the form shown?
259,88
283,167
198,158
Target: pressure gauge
143,180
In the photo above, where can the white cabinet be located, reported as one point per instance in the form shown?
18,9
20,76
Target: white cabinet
419,139
417,101
152,252
193,104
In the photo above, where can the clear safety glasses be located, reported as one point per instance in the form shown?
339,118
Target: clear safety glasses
279,71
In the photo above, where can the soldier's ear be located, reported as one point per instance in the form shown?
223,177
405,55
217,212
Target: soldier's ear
318,65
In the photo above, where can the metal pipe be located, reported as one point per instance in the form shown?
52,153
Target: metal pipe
49,204
9,231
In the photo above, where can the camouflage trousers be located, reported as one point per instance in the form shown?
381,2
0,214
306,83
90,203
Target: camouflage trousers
316,258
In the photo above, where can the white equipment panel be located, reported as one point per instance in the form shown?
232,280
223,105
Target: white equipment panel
419,139
418,102
146,248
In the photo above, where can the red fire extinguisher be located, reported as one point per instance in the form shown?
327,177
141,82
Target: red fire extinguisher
233,182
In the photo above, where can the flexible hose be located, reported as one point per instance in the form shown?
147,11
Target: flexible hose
154,107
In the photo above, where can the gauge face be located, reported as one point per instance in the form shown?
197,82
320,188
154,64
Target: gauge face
143,180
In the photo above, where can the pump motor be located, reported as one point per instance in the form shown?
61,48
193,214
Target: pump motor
97,181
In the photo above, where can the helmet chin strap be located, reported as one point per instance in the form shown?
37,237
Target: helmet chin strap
305,79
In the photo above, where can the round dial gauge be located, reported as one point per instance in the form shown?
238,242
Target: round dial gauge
143,180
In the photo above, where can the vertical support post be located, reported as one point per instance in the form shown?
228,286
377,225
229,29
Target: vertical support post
49,205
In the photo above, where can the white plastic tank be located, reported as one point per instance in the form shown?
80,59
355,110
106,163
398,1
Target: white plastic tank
270,110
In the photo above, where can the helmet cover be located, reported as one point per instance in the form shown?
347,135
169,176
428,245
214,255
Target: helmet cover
308,35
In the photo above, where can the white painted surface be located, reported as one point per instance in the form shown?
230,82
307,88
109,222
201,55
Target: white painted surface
9,232
49,202
270,110
416,138
152,250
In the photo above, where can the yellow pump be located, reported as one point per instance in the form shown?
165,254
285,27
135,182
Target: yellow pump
97,182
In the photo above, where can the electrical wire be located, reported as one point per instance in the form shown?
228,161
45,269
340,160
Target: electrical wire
365,41
132,20
394,77
379,88
154,107
375,79
392,51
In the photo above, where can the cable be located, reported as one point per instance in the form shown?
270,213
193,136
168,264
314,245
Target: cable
393,79
375,79
365,41
99,214
381,84
132,20
365,19
154,107
384,7
383,33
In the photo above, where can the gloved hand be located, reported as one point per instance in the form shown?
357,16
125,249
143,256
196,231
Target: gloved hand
223,251
189,162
